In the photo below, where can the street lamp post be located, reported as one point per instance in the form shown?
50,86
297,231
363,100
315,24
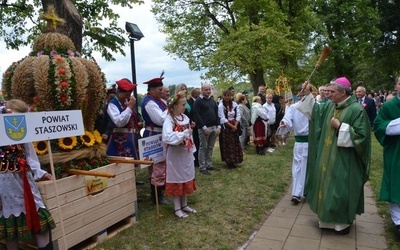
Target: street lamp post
134,35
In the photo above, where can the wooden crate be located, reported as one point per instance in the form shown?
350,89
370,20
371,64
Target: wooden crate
85,216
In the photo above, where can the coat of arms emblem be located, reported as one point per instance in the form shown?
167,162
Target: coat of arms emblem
15,126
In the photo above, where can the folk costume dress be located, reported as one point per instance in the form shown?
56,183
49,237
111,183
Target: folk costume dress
259,120
179,156
229,144
338,161
22,211
125,130
387,131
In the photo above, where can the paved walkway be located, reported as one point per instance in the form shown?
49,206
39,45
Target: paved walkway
296,227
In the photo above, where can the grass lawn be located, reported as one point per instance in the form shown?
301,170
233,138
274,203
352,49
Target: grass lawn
231,205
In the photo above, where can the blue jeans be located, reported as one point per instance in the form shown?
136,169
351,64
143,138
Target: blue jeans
206,147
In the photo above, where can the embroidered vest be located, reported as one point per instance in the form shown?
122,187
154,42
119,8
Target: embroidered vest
146,117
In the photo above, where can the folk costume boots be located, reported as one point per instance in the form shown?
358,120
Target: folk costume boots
160,195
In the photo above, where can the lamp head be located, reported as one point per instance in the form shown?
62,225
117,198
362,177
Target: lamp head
134,31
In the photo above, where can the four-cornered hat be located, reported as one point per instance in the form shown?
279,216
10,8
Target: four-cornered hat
155,82
125,85
342,81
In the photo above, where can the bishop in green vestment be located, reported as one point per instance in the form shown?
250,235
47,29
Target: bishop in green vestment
387,131
338,159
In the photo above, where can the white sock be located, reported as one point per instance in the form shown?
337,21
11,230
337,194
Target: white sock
177,206
184,200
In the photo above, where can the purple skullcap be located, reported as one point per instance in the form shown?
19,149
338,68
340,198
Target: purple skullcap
342,81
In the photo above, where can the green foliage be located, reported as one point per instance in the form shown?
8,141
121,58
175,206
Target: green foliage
21,24
233,40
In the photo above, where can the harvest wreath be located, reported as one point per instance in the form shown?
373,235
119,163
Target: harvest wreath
55,77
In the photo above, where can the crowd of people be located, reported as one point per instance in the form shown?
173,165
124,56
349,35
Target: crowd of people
331,155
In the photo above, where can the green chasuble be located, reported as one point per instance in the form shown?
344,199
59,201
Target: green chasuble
390,189
336,175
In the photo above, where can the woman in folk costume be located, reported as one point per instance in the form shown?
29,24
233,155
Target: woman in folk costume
177,136
124,122
22,211
229,143
259,120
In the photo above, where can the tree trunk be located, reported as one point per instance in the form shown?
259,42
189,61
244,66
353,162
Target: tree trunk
73,20
257,79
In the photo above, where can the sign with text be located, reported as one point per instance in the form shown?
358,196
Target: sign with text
18,128
95,184
151,148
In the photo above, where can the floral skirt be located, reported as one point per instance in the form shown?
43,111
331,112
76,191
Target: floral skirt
179,189
229,145
14,227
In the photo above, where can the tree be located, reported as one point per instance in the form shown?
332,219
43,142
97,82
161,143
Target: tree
388,50
350,30
233,39
92,25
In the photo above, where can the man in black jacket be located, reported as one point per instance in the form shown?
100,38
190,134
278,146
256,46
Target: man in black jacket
207,121
367,103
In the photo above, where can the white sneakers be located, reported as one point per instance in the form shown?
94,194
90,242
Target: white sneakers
270,150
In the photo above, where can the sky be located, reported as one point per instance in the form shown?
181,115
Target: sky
150,57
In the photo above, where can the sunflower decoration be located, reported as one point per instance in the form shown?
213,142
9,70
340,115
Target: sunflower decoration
67,143
40,147
97,136
88,139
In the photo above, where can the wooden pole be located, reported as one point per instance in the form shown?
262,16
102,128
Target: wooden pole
91,173
128,160
57,194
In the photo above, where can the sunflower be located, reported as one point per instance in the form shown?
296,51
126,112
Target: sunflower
40,147
88,139
97,136
67,143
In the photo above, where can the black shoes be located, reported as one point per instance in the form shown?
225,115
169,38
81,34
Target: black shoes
212,169
344,231
139,183
231,166
296,199
397,231
205,172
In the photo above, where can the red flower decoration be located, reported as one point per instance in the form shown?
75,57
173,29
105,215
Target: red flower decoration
36,99
60,59
63,98
81,164
61,71
64,84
